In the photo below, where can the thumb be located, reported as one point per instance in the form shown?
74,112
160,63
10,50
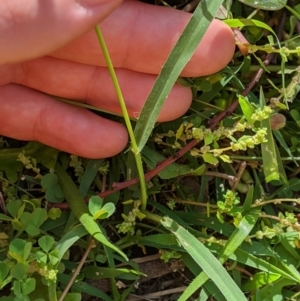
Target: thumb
32,28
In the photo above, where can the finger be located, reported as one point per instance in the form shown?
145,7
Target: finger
33,28
29,115
94,85
140,37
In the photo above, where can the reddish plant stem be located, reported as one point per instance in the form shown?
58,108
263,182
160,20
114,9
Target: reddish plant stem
116,186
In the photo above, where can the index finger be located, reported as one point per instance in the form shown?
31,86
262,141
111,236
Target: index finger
140,37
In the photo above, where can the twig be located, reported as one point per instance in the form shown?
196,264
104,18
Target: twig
239,174
76,272
157,294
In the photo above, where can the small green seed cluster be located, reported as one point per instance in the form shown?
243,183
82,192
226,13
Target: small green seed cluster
171,204
202,133
287,220
128,225
76,162
263,114
229,207
250,141
104,168
167,255
28,162
49,274
269,232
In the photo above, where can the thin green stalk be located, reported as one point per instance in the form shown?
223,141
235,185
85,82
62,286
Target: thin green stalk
52,291
154,217
135,149
247,158
86,106
273,68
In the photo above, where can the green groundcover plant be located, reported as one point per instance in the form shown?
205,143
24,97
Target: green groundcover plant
217,189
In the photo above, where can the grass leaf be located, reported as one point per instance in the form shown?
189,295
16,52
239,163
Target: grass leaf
235,240
180,55
204,258
270,160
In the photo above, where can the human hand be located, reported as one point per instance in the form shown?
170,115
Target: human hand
38,57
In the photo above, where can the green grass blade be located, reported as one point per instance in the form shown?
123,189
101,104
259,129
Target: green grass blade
270,159
235,240
281,140
259,263
69,239
180,55
204,258
239,235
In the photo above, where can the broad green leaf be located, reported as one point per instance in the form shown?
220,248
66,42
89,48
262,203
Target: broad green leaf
19,270
54,257
54,213
265,4
27,250
34,220
41,257
106,211
46,242
210,158
204,258
180,55
95,204
28,286
54,193
19,249
4,269
49,180
199,171
260,279
13,207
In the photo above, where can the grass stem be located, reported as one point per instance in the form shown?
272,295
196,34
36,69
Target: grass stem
134,148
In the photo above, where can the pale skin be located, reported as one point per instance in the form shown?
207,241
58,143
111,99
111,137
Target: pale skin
50,47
